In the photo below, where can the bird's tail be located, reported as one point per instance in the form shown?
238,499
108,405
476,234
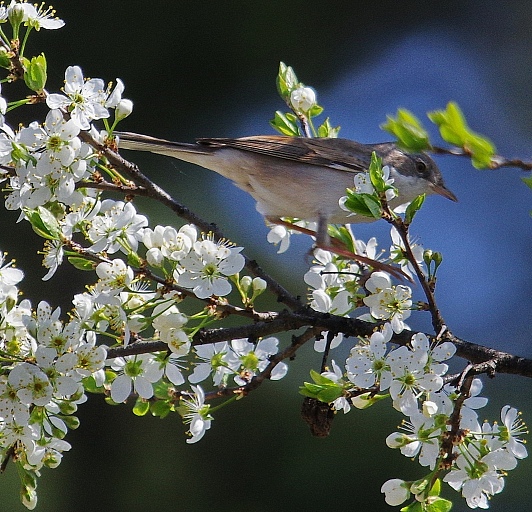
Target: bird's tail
187,152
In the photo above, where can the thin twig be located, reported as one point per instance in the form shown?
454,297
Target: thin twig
497,161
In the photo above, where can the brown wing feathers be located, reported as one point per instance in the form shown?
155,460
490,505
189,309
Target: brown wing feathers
312,151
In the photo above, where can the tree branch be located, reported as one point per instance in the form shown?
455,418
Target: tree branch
154,191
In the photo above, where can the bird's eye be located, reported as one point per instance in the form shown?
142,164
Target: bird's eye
421,167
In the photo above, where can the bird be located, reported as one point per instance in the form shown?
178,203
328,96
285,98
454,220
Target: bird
300,177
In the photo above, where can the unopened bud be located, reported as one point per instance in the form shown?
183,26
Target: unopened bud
303,99
259,285
245,283
123,109
16,15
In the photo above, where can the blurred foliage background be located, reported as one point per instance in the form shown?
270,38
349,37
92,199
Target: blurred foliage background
200,69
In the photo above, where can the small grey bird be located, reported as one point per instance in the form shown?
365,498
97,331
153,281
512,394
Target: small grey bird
297,176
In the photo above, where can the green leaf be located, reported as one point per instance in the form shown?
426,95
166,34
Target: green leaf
363,204
285,124
5,62
454,130
141,407
160,408
415,506
439,505
81,263
35,75
316,110
369,400
318,378
343,234
413,208
409,131
436,488
310,390
375,173
286,81
330,394
528,181
323,389
161,389
327,130
90,385
44,223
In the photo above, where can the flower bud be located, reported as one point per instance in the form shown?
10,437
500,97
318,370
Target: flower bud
245,283
123,109
259,285
303,99
16,15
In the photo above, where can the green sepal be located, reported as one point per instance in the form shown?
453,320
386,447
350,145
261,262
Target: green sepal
454,130
134,260
315,111
141,407
413,208
410,133
286,124
81,263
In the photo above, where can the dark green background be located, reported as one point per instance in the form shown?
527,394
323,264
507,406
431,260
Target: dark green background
207,69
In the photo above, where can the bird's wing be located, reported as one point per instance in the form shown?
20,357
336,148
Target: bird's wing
339,154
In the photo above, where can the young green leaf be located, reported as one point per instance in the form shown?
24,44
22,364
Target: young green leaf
44,223
413,208
35,74
409,131
327,130
363,204
528,181
81,263
286,81
285,124
141,407
454,130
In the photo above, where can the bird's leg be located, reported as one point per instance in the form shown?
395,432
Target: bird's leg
324,241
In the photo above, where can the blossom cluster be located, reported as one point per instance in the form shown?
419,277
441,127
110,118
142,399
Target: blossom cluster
142,274
44,364
412,376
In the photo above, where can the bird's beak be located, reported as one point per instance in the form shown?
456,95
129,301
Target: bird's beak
443,191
